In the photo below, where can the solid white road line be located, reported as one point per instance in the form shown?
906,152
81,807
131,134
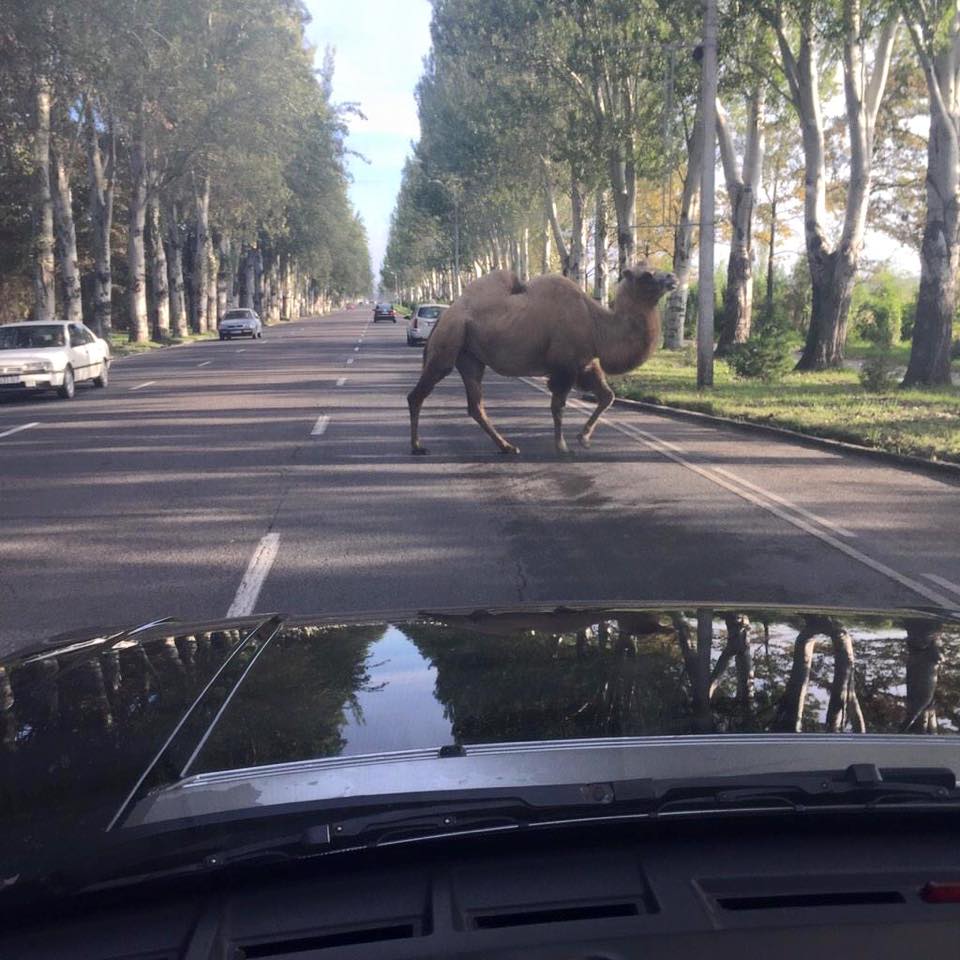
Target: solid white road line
341,381
205,362
320,427
253,580
23,426
140,386
944,582
675,453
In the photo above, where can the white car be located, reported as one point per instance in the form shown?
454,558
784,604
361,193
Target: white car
421,322
240,322
52,356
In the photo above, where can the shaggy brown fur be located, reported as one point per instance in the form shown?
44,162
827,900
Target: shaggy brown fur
546,328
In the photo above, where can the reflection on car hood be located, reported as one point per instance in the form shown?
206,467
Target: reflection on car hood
103,731
30,355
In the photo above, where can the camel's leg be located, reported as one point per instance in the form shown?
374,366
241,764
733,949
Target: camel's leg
593,379
430,377
439,356
560,385
471,369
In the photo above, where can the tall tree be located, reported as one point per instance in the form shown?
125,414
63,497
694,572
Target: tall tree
935,32
803,32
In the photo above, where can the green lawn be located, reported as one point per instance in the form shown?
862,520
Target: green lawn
924,423
120,345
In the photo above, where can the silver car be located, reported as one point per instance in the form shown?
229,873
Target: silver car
422,320
241,322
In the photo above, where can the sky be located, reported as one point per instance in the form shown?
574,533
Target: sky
380,46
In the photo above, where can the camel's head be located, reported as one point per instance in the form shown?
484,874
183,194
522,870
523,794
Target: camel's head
647,284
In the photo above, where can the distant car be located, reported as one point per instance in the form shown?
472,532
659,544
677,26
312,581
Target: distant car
241,322
422,321
384,311
52,356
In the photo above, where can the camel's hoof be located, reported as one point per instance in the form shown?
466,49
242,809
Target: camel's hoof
584,441
510,449
419,451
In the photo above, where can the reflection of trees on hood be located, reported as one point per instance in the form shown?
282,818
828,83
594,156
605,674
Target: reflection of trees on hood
294,703
642,673
538,685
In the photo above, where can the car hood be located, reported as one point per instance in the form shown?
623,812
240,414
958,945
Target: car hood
30,355
114,730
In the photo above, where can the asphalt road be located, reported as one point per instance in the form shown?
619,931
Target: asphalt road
276,475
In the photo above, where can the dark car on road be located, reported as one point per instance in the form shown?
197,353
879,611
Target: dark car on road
384,311
645,781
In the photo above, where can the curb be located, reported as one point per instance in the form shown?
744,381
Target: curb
941,469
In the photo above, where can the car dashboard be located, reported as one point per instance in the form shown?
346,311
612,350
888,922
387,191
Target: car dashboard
721,888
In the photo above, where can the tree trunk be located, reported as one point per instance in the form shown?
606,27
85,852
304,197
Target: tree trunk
601,279
575,266
553,219
940,253
675,312
768,311
525,254
742,189
248,279
201,260
178,306
623,180
101,179
224,274
159,279
832,278
66,239
44,277
136,252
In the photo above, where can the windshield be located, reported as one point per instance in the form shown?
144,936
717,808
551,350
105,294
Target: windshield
671,358
38,337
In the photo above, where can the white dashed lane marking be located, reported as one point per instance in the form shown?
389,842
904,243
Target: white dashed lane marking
341,381
320,427
140,386
205,363
256,573
23,426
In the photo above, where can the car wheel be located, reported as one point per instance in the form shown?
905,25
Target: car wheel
69,386
222,337
104,377
260,335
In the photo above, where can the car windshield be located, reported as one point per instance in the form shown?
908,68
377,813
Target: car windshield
32,337
653,452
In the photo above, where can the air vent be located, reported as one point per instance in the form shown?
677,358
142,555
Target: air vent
790,901
323,941
522,918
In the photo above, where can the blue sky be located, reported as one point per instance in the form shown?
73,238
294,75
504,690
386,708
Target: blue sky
380,46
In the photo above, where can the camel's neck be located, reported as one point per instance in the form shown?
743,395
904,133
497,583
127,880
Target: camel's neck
626,335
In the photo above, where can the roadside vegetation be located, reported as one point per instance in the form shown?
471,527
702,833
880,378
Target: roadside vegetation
162,162
567,137
832,404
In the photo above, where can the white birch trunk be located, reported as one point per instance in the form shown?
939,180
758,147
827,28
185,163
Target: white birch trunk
44,276
101,172
136,249
66,239
553,219
178,305
200,260
601,276
159,277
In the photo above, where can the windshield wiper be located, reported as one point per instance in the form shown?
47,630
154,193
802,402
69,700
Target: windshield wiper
397,820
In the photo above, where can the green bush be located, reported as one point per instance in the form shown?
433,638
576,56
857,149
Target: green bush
883,308
766,356
878,373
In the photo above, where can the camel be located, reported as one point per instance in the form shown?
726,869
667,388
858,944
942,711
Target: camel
546,328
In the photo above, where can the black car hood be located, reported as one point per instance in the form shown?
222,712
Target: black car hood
95,727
